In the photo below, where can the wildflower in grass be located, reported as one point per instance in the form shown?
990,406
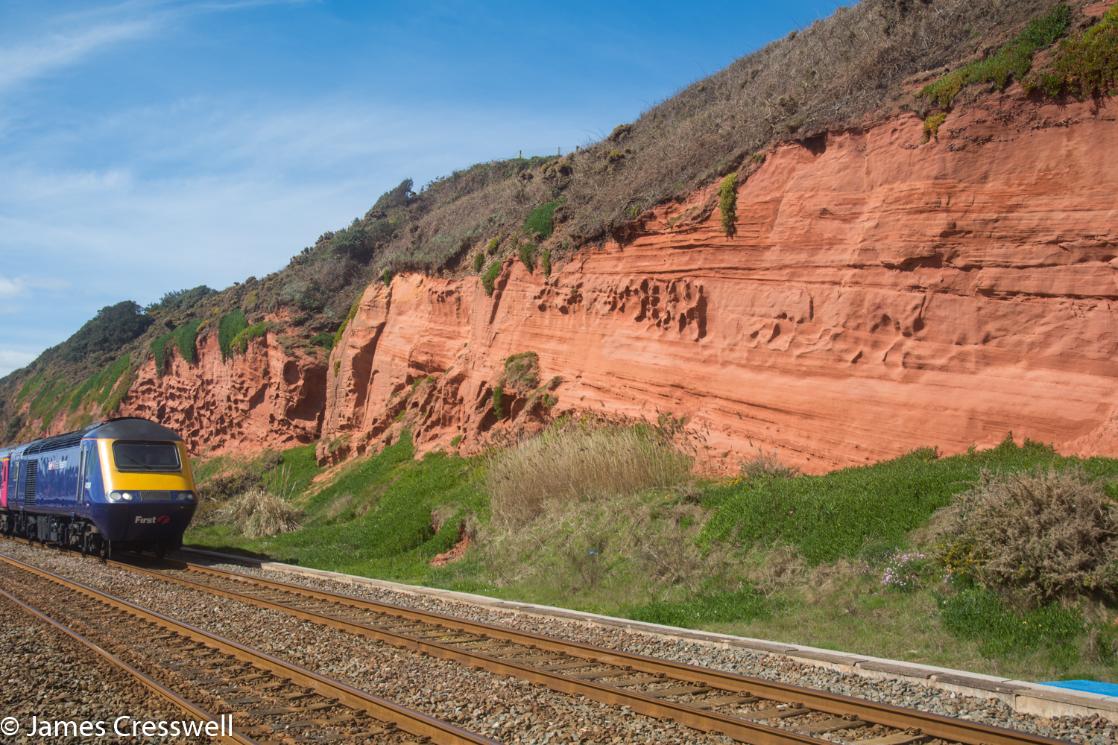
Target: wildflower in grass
904,570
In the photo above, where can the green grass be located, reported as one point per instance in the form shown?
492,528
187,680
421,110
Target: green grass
977,614
1012,61
1085,66
540,222
527,254
374,518
240,342
796,559
231,324
349,317
866,511
186,340
97,388
51,398
490,277
704,609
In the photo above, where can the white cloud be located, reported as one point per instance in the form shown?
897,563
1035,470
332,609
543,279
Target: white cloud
57,50
71,38
10,288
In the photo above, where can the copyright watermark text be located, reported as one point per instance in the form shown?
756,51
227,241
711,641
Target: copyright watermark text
123,727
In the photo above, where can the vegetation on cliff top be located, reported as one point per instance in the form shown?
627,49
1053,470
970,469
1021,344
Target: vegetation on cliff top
844,560
1010,62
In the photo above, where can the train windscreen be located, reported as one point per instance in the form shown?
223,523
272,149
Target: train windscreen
146,456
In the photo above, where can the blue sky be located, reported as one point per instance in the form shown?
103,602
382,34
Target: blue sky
151,145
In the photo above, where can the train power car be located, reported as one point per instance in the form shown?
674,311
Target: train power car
119,484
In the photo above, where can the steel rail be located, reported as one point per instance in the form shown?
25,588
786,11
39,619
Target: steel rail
929,725
407,720
150,683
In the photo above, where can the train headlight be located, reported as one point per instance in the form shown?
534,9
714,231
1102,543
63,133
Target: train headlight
184,496
120,496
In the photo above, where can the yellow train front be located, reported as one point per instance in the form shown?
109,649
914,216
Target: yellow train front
123,484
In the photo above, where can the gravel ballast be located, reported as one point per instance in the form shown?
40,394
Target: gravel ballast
48,675
898,692
508,710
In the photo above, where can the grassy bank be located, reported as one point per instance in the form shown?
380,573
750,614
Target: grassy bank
852,560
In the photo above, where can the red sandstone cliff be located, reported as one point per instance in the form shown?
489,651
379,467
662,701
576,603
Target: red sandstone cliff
265,397
880,294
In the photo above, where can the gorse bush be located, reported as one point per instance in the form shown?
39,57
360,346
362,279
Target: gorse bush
1012,61
932,123
1084,66
727,203
577,463
522,371
1035,536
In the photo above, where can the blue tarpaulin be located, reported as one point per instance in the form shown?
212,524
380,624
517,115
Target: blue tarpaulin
1088,686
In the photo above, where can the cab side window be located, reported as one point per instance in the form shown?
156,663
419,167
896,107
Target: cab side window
91,485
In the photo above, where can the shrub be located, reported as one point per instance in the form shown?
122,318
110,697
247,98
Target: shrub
1084,66
545,262
108,331
765,465
932,123
1035,536
324,339
492,246
479,262
231,324
541,221
1012,61
259,514
727,203
386,276
240,342
499,401
527,253
578,463
522,371
490,277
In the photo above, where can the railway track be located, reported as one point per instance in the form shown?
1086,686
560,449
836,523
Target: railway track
270,701
747,709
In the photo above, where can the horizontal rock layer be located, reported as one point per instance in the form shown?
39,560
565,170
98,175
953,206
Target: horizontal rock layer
879,294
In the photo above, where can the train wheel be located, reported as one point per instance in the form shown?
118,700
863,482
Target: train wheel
106,549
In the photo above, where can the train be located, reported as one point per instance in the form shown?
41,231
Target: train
120,484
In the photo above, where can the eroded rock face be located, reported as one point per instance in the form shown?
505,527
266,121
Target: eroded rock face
264,398
880,294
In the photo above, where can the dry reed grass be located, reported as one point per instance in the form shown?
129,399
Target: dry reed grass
578,463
